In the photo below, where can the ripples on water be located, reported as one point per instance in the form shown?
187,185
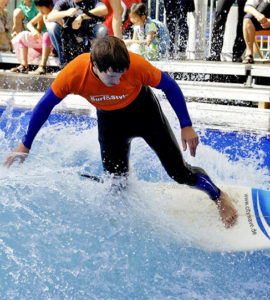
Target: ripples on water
64,237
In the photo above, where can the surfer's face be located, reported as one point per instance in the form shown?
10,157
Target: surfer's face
109,78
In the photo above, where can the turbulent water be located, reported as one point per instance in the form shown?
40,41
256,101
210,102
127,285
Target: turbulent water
65,237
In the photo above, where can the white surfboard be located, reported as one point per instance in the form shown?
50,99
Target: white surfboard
198,216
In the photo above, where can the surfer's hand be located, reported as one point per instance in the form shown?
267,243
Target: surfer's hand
190,138
18,153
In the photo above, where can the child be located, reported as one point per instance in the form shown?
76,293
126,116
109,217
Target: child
28,45
5,26
146,39
26,11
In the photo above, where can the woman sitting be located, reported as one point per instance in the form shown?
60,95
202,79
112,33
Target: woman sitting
29,45
257,18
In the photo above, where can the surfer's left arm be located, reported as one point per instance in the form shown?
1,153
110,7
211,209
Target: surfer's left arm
39,116
178,103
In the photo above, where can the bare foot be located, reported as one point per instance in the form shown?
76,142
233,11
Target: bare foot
227,212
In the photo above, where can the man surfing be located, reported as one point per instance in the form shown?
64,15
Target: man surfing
117,83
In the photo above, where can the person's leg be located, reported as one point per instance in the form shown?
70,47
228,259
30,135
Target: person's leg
183,29
171,23
46,50
239,43
157,132
249,35
18,17
22,52
114,142
223,8
54,30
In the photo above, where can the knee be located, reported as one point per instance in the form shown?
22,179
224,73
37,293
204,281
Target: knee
100,31
53,27
248,26
247,22
46,41
18,14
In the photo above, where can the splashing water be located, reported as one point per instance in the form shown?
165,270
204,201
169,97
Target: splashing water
65,237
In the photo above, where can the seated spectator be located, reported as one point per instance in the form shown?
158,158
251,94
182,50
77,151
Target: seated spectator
80,25
257,18
5,27
29,45
222,11
146,39
54,30
25,12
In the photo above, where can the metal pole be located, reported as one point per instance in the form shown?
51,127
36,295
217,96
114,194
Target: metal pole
157,10
211,18
197,21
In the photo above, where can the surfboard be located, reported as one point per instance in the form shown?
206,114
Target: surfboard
198,216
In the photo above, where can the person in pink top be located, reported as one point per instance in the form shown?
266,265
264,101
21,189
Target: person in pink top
30,45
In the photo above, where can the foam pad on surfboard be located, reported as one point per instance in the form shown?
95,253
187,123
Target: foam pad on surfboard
198,216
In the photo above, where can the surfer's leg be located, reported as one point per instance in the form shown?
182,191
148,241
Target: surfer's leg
115,157
158,134
114,144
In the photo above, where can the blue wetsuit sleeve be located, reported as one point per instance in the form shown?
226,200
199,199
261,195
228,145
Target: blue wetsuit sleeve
40,115
176,99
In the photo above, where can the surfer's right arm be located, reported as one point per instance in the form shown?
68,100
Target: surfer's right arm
39,116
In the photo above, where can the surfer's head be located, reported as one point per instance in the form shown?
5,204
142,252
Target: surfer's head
110,53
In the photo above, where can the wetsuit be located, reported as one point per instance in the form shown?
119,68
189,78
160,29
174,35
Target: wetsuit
125,111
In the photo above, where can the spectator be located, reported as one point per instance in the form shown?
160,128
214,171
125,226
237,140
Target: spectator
25,12
5,26
257,18
54,30
176,16
117,17
28,45
108,13
78,27
223,8
146,39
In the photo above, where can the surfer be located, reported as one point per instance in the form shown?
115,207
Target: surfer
117,83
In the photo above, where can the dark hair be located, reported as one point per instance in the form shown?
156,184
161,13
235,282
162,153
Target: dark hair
139,9
110,52
46,3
